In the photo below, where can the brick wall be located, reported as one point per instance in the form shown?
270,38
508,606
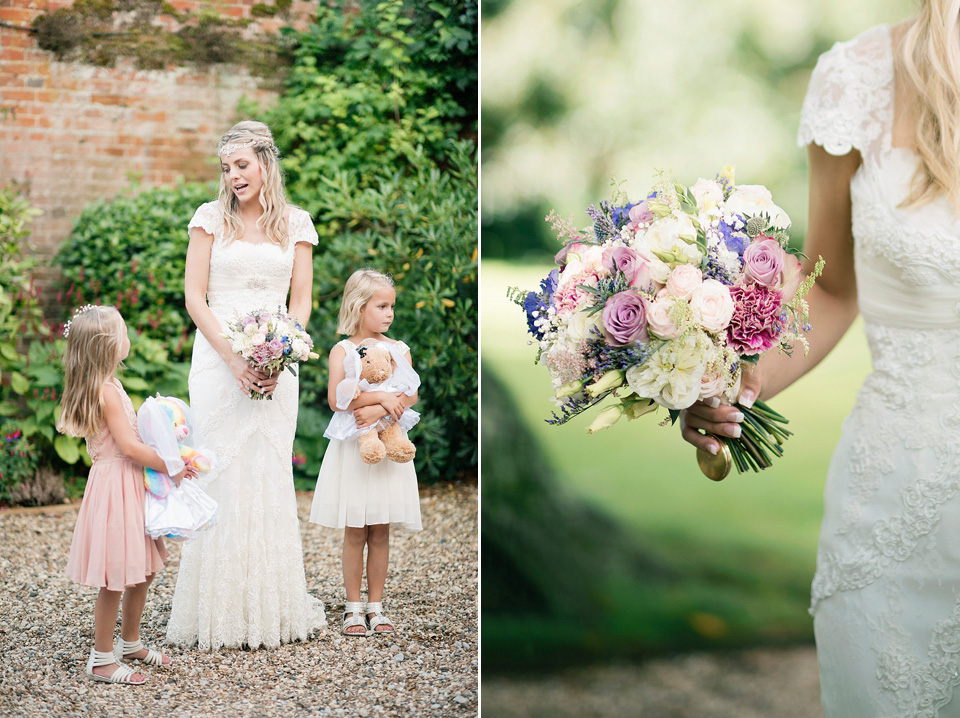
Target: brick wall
71,133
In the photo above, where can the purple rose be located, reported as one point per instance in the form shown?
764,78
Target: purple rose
560,258
624,319
628,261
763,261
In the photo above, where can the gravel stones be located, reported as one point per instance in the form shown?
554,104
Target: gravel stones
427,668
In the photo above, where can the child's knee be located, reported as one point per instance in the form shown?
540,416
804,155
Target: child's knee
378,534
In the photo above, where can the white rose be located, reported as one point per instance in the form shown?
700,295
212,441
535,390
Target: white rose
250,329
750,200
299,348
708,193
712,305
579,325
683,280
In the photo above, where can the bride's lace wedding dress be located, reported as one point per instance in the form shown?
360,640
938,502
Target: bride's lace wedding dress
242,582
886,596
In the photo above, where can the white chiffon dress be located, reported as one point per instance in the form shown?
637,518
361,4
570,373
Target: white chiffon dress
886,594
350,492
242,583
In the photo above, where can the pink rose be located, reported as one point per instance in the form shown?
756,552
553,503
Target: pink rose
712,384
683,280
659,321
763,261
755,324
634,267
624,319
712,305
792,274
639,214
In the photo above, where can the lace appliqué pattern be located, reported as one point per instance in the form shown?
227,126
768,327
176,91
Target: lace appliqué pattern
849,99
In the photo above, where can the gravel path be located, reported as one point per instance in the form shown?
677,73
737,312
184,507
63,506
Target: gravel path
428,668
760,683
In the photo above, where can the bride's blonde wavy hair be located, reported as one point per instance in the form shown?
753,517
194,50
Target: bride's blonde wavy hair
89,361
272,198
931,58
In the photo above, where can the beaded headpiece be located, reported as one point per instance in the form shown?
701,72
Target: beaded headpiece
232,147
77,313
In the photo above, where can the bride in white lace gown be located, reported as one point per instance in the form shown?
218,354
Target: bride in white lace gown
242,584
883,132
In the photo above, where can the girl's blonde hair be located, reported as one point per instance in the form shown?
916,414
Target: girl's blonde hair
931,58
272,198
356,293
90,360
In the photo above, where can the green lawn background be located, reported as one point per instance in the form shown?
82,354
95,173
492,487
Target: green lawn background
646,476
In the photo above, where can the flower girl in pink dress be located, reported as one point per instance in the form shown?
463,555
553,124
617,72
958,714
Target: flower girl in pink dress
110,549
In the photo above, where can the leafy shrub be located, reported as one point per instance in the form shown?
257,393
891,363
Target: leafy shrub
29,350
18,461
130,252
366,128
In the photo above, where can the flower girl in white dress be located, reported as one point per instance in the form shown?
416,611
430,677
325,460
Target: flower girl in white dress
365,499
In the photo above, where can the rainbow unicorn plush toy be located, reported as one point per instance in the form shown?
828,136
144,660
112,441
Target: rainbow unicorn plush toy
167,425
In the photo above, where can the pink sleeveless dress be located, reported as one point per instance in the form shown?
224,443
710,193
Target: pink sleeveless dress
110,549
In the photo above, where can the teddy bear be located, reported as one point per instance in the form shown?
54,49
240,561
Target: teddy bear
177,512
387,438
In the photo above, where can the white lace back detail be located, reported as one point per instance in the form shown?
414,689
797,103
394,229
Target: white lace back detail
849,102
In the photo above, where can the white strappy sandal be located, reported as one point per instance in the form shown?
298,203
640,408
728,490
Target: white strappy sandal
122,650
123,674
378,619
358,618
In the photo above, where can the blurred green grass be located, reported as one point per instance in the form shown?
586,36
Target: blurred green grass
753,533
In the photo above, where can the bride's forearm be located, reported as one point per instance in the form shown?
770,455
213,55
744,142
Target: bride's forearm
209,325
830,317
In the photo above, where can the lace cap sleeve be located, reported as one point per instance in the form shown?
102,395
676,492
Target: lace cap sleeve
849,100
301,228
207,217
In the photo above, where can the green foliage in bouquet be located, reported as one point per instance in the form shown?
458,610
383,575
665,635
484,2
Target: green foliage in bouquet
129,252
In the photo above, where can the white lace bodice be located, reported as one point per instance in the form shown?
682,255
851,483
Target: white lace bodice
891,502
245,276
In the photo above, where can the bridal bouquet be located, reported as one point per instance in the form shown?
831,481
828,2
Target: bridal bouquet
663,301
270,341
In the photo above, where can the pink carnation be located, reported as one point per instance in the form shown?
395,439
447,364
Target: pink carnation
755,325
567,298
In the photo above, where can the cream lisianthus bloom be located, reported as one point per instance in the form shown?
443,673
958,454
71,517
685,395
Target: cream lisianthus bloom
672,376
605,419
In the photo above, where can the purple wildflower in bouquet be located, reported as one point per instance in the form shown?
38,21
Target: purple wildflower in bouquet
270,341
662,302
